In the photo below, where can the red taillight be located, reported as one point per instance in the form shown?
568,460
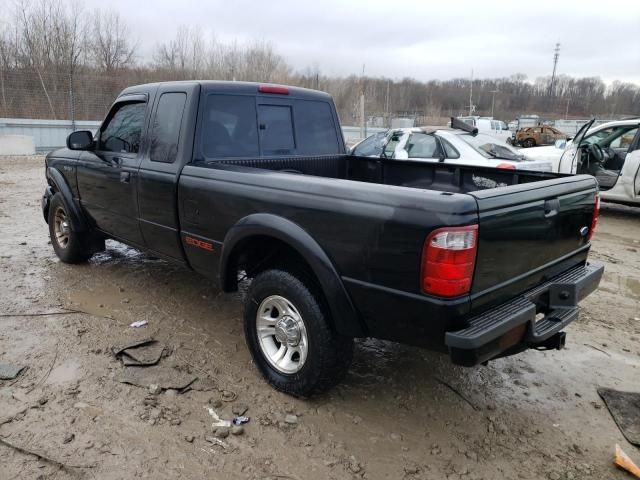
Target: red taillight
273,89
448,261
507,166
594,220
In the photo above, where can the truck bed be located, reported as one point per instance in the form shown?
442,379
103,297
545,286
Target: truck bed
437,176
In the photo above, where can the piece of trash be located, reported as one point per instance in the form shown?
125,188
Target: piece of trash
240,420
139,323
9,372
139,353
218,422
622,460
625,410
165,377
216,441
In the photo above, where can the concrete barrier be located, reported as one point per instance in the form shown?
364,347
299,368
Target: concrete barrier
17,145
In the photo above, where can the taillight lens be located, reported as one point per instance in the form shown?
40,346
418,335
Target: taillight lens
594,220
507,166
448,261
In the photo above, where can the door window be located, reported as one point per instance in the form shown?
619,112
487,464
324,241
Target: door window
276,129
421,145
229,127
165,131
123,130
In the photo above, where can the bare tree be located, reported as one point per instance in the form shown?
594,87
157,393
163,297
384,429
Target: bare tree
110,45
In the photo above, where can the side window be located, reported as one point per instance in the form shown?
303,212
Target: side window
123,130
449,149
371,146
229,127
276,129
315,129
421,145
165,130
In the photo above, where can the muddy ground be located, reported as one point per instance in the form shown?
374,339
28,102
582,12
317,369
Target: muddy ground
533,416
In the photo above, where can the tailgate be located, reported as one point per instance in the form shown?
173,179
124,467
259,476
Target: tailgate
527,232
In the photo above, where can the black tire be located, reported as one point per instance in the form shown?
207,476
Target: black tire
328,355
529,142
70,246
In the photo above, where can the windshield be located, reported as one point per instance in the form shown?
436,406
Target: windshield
490,147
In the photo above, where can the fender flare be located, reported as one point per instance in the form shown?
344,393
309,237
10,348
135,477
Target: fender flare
346,319
77,218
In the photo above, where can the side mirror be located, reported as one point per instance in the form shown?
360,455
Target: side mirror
80,140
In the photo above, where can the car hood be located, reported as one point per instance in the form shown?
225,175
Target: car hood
548,152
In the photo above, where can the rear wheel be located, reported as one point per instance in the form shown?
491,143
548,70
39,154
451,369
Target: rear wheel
288,333
70,246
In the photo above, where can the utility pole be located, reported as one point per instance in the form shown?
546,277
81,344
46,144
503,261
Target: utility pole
566,112
471,94
363,123
556,54
386,106
493,100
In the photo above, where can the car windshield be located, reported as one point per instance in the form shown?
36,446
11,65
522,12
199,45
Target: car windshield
489,147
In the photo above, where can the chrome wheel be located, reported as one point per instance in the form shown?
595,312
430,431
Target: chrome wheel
61,227
282,335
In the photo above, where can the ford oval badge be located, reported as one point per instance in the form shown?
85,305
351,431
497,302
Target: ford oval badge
584,231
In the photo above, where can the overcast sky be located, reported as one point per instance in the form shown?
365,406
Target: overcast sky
419,39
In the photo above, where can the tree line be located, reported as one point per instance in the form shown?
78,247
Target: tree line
57,61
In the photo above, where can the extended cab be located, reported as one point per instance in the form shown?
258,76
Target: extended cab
240,180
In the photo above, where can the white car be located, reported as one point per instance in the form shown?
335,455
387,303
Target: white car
459,146
610,152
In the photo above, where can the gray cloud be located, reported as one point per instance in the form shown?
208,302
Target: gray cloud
417,39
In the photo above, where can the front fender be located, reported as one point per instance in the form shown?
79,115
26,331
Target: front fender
345,316
58,182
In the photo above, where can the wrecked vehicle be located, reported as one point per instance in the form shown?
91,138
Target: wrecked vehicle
461,144
535,136
609,151
241,180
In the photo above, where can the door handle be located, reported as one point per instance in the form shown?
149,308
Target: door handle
551,208
125,177
117,160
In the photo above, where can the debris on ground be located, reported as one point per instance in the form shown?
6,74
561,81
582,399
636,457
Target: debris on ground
625,410
139,323
217,421
216,441
9,372
237,430
622,460
140,353
164,377
240,420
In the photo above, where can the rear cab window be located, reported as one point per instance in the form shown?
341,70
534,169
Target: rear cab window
165,129
251,126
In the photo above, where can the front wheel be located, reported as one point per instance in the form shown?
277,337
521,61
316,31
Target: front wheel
70,246
529,142
288,333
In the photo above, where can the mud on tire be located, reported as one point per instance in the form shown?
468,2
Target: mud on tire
70,246
328,355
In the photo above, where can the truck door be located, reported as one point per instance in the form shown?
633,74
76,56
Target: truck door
107,175
166,152
631,166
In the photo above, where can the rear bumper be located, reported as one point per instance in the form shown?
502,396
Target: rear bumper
517,324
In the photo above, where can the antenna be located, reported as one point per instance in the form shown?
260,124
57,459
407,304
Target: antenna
556,54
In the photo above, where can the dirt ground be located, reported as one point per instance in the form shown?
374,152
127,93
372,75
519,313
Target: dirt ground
536,415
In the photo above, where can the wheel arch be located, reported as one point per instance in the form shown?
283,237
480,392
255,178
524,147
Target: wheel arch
58,184
274,232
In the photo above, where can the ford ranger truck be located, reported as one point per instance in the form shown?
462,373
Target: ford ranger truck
251,184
